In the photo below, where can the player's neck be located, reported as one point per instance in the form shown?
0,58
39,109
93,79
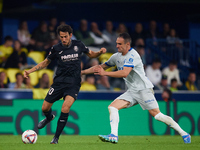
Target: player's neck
126,51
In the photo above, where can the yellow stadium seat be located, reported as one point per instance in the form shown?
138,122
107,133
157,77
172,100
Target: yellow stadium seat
25,50
47,71
11,72
104,57
39,93
34,78
36,56
5,81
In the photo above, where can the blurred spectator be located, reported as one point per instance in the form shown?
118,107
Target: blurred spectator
173,85
44,81
121,28
52,28
82,76
153,32
88,84
166,30
172,38
92,62
153,72
139,42
166,95
103,83
140,47
19,82
163,84
23,34
182,53
137,34
100,39
83,33
32,45
18,58
42,37
190,84
27,82
141,51
53,63
2,78
6,50
172,72
112,36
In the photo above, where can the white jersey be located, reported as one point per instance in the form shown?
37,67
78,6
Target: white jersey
136,80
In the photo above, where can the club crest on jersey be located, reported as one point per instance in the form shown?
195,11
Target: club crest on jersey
75,48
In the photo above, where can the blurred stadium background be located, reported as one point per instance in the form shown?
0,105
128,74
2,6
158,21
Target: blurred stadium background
20,109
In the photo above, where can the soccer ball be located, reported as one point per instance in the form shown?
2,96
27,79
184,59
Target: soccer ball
29,137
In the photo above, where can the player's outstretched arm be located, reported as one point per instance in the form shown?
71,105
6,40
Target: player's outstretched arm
93,54
92,69
116,74
39,66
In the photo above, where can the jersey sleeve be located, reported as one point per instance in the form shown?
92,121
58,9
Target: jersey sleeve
111,61
132,60
84,48
52,54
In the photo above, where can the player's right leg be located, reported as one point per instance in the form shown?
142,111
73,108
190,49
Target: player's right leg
54,94
171,123
113,108
46,109
69,100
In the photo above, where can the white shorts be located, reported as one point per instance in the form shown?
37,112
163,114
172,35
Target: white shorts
145,98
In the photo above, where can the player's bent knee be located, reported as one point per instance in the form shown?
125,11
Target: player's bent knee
65,109
45,108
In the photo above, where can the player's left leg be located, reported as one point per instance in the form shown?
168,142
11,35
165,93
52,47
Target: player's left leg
171,123
113,108
63,117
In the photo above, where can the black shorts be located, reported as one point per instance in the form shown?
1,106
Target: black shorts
60,90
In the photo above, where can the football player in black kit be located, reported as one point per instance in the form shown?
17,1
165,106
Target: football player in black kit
67,81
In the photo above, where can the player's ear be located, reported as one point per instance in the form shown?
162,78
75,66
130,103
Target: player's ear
70,35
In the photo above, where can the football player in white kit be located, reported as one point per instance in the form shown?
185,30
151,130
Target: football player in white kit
130,68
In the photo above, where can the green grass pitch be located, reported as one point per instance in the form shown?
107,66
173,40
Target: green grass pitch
76,142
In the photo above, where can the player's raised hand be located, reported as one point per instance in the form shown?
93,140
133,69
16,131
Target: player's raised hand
103,50
26,74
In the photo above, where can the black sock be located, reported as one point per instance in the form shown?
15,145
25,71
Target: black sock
48,114
61,123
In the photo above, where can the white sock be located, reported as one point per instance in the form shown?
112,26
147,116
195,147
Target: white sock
170,122
114,120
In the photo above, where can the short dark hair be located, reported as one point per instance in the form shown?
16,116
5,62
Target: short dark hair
156,60
173,80
173,62
126,37
8,38
17,74
64,28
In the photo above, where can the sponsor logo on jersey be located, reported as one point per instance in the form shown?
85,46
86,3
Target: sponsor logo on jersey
69,57
76,48
130,61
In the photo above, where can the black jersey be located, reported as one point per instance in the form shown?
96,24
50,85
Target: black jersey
69,61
